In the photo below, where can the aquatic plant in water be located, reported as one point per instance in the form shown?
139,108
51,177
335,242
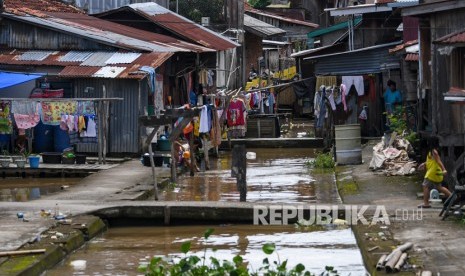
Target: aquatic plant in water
194,265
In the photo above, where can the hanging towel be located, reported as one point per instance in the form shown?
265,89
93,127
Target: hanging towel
356,81
203,128
52,111
91,129
24,108
85,108
24,121
343,96
331,100
151,79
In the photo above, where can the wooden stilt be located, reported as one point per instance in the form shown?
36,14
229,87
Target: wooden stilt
152,162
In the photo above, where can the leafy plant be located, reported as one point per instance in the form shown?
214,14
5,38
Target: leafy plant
69,155
194,265
259,4
322,161
398,123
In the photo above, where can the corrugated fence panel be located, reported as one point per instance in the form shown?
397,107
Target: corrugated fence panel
363,62
123,134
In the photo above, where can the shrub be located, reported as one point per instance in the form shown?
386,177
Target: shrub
322,161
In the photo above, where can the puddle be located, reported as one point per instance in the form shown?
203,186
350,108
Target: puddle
27,189
121,250
276,175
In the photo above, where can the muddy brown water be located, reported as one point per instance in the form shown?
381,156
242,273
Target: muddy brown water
276,175
26,189
121,250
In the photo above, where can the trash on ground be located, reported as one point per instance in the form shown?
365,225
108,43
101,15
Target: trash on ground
393,157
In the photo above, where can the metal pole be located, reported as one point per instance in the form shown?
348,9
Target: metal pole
177,6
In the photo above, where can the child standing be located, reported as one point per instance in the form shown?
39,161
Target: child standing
435,171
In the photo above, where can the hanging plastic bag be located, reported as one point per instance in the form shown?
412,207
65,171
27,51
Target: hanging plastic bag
363,115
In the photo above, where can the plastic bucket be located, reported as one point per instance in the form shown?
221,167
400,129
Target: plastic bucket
43,138
61,139
34,162
348,144
51,157
163,145
81,158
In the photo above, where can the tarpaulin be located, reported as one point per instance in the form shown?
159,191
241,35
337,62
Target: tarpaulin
11,79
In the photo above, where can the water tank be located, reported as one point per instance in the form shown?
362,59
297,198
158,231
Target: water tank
348,144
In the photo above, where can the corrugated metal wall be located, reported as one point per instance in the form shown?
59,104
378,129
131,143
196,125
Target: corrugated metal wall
358,63
23,36
124,133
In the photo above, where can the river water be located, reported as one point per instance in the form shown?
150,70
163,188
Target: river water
120,251
276,175
19,189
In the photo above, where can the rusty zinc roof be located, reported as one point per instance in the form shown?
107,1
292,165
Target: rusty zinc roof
27,6
251,10
178,25
83,68
454,38
403,46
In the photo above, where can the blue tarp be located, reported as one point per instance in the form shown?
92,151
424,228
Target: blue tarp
11,79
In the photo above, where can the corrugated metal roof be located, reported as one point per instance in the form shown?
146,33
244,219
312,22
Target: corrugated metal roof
412,57
122,58
90,66
104,27
75,56
282,18
454,38
26,6
261,28
403,46
97,59
109,72
35,55
179,25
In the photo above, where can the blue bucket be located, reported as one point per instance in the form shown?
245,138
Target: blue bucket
34,162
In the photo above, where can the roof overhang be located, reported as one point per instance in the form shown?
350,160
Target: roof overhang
433,7
455,94
356,51
359,9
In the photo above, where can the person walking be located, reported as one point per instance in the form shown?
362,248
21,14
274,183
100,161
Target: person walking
435,172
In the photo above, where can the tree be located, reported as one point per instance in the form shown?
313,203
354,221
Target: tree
196,9
259,4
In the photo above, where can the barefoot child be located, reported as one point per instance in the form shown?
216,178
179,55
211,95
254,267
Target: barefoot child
435,171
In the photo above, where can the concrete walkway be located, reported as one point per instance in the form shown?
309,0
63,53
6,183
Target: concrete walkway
439,244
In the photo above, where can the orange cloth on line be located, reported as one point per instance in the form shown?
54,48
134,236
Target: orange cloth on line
81,123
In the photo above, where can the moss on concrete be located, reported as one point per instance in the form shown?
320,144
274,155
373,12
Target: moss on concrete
73,241
33,264
90,226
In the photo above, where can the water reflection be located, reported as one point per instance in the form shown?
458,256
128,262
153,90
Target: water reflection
277,175
121,250
26,189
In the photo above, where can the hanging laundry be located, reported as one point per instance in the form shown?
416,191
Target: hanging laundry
151,77
331,98
356,81
52,111
85,108
343,95
215,133
91,128
24,108
203,128
322,104
271,102
316,103
193,98
196,121
203,77
235,115
326,81
24,121
6,126
158,103
210,75
81,124
63,122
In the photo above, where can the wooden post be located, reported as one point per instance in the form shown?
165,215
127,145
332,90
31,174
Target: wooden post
205,153
152,162
100,131
239,169
191,149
